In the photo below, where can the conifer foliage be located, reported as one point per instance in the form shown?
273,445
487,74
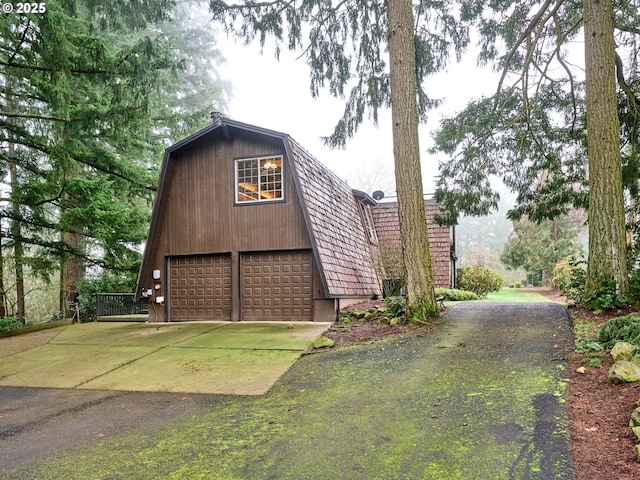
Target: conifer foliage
88,94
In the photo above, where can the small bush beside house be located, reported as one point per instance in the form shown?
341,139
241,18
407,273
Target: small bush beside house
456,295
479,280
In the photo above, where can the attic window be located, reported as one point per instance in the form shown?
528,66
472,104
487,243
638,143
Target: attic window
259,179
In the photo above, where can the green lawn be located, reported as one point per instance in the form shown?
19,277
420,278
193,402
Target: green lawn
509,295
514,295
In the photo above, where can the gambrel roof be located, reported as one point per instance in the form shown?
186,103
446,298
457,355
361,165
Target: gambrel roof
339,241
335,225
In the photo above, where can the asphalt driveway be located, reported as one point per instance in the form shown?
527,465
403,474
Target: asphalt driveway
481,396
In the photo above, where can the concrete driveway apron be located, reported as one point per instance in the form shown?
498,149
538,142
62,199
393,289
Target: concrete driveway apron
214,358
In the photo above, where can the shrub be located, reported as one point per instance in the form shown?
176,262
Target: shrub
535,278
455,295
605,296
396,306
517,285
479,280
620,329
104,283
10,323
584,345
569,276
634,286
594,360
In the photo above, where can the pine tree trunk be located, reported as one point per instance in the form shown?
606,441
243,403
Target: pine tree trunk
18,249
3,296
607,241
406,154
71,271
14,224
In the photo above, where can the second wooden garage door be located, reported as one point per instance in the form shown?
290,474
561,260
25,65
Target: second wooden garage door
276,286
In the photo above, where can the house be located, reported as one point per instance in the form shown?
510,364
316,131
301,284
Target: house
441,239
247,225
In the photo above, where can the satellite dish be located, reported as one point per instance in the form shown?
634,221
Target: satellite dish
378,195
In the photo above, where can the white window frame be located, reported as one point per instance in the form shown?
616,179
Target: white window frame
274,180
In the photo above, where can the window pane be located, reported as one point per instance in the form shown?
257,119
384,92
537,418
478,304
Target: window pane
270,178
248,188
259,179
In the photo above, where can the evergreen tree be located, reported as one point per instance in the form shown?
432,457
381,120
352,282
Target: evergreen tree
88,112
539,247
345,49
533,132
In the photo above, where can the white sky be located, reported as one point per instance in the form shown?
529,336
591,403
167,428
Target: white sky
275,94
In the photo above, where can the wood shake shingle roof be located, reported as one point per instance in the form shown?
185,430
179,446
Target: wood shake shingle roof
385,217
342,247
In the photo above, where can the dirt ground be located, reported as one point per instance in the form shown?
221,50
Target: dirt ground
601,441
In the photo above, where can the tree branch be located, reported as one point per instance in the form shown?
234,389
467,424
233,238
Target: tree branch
631,96
39,68
534,22
626,28
34,116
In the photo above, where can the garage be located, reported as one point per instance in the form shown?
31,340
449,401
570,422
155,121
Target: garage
277,285
200,287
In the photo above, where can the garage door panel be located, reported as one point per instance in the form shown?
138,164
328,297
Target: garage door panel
200,287
275,286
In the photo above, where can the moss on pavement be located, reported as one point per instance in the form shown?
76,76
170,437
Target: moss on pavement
480,397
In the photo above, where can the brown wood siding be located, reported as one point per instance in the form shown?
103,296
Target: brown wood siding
198,214
203,217
385,216
277,286
200,287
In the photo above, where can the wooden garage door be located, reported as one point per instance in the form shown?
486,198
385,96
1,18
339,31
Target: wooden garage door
200,287
276,285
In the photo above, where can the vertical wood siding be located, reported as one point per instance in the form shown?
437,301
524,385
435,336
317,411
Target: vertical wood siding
198,214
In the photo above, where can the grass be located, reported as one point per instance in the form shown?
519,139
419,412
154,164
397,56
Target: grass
510,295
514,295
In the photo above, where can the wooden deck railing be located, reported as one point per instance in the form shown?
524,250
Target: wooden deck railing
110,304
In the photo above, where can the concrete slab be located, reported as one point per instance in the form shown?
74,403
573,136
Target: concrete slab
214,358
200,370
133,334
263,335
65,366
20,343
